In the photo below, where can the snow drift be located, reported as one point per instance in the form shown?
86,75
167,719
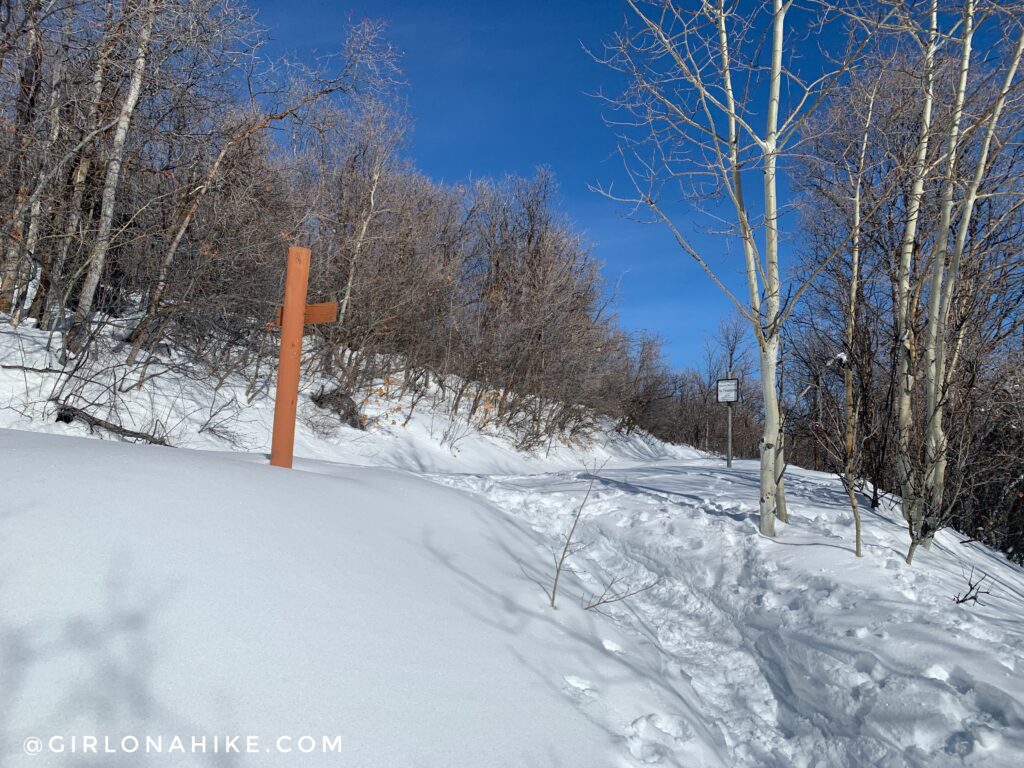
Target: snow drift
154,591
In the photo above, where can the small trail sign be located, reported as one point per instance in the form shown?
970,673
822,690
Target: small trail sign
728,390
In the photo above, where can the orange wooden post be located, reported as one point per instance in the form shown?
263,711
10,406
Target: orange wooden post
286,400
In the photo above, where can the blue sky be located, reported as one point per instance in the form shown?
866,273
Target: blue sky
503,87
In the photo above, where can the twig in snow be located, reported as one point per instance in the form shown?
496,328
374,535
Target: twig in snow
68,413
974,590
568,548
610,595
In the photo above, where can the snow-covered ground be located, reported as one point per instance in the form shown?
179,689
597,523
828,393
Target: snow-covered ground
191,414
390,591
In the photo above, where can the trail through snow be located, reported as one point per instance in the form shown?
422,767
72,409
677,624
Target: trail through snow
787,652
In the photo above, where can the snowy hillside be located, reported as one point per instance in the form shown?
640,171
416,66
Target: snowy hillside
390,592
191,413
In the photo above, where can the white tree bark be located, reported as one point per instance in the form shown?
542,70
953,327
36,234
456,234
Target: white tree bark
772,441
27,88
37,207
851,425
360,242
764,315
944,279
922,471
910,487
922,528
700,127
98,255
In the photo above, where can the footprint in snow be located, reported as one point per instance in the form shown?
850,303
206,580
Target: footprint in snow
651,737
579,688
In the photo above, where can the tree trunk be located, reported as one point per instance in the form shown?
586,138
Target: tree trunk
98,255
772,449
909,482
25,110
357,247
770,436
37,263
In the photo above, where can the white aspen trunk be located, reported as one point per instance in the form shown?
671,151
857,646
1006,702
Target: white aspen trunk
850,436
767,344
36,208
935,447
24,302
851,420
772,447
781,508
764,315
98,255
944,287
10,226
28,83
850,412
769,369
357,247
59,291
910,488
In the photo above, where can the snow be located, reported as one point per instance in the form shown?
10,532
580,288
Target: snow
153,591
791,651
390,590
195,415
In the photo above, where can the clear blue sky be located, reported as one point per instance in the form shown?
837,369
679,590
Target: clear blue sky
503,87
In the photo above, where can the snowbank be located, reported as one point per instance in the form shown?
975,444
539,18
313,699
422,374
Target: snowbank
150,591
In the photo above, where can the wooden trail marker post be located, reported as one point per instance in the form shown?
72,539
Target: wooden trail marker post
292,318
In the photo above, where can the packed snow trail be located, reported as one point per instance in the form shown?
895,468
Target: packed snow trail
787,652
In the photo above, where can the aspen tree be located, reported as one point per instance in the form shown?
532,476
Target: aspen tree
698,93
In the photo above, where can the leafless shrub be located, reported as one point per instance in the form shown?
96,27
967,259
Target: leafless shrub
321,423
571,547
974,589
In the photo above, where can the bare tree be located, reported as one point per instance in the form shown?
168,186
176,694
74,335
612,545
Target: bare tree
147,12
955,194
698,84
910,167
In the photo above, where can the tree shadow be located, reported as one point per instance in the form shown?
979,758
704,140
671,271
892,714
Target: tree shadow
91,672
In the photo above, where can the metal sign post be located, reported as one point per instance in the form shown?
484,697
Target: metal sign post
728,392
728,435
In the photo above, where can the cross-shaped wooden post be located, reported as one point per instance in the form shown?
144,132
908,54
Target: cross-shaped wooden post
292,317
